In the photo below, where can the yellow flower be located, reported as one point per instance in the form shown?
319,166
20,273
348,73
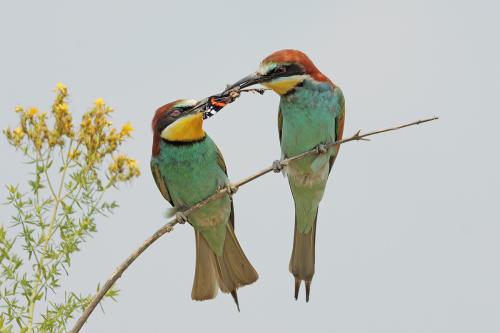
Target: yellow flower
133,164
32,112
61,88
16,136
19,132
19,109
63,107
123,168
127,129
99,102
74,154
63,121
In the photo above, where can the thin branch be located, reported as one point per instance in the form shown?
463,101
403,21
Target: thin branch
230,189
45,171
255,90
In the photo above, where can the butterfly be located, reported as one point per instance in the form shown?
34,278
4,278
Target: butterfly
214,104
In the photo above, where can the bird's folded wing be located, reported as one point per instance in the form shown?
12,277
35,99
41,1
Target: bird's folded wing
160,182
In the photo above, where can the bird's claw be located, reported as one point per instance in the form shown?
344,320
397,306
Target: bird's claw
181,217
321,148
277,166
231,189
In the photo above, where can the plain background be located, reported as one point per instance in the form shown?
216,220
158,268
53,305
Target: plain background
408,236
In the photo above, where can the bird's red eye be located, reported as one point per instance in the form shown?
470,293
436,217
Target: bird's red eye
281,69
175,113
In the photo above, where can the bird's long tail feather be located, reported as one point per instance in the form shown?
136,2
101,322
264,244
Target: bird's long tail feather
227,272
205,283
303,257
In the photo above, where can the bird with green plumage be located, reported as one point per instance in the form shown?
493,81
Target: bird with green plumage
187,168
311,113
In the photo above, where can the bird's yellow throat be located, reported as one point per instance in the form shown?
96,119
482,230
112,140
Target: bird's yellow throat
186,129
284,85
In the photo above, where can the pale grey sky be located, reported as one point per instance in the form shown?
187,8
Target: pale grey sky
408,237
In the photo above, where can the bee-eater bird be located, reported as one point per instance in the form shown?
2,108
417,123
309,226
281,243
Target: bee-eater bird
188,167
311,113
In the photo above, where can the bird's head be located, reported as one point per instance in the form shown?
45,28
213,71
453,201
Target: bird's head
178,121
282,71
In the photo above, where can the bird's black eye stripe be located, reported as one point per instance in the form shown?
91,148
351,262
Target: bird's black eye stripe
287,70
162,124
280,69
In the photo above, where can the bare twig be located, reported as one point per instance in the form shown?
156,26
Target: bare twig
254,90
229,189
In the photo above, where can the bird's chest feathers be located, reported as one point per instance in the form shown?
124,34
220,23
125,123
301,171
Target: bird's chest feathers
193,164
192,173
308,120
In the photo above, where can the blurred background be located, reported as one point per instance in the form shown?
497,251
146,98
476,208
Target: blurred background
408,233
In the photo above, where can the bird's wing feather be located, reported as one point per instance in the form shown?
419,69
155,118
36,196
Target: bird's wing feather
280,123
220,160
160,182
339,124
231,216
222,164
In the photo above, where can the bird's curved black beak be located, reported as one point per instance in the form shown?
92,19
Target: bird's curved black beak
200,106
247,81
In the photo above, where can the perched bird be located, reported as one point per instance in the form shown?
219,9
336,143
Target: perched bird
188,167
311,113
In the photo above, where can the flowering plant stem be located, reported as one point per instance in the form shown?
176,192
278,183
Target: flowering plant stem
52,223
57,200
